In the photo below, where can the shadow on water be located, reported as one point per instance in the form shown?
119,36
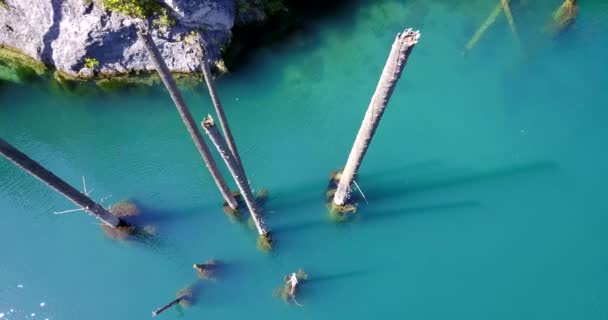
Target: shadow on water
222,290
144,237
192,296
193,291
340,276
158,243
147,224
222,270
444,207
407,170
300,18
452,180
321,285
306,195
314,191
290,229
162,218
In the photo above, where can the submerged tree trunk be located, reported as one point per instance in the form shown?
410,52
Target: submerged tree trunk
217,104
507,9
53,181
237,173
564,16
184,112
402,47
486,24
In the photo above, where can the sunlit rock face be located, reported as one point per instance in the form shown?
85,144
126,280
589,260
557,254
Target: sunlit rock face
62,33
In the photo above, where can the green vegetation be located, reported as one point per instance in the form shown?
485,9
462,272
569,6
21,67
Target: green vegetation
242,6
133,8
273,6
186,296
3,4
91,63
264,243
262,196
17,67
122,82
164,20
564,16
207,270
287,292
339,213
221,67
192,37
270,7
234,213
122,210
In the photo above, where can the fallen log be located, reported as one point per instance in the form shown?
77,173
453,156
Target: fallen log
50,179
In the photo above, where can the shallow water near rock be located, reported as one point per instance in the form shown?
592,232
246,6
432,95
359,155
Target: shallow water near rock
485,180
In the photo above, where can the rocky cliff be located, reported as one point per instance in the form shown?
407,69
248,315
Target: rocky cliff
62,33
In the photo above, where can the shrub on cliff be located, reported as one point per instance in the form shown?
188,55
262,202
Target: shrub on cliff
164,20
133,8
91,63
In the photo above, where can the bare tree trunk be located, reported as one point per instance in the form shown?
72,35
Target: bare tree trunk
219,109
237,173
184,112
402,47
167,306
53,181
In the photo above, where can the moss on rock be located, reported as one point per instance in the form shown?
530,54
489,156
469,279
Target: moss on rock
134,8
17,67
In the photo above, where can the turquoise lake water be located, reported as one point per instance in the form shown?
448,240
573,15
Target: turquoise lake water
486,180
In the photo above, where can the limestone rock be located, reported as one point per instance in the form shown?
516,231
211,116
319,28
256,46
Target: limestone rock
61,33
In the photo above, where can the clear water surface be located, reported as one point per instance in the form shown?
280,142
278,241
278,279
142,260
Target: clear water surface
486,180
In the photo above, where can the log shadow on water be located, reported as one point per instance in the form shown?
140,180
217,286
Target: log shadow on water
306,226
162,218
144,228
320,285
226,286
193,291
408,170
293,234
220,270
300,201
301,226
302,196
455,179
191,295
322,278
458,206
